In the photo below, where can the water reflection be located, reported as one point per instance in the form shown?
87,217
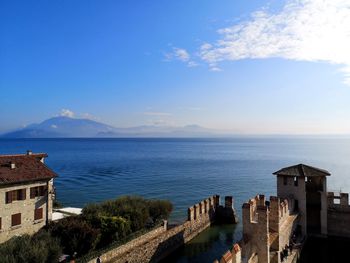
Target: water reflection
208,245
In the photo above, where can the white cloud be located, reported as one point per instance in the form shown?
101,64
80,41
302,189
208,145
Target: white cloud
214,68
192,64
177,54
304,30
53,126
181,54
67,113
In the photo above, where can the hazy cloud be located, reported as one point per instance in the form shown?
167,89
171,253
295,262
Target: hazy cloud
67,113
191,108
89,117
154,113
304,30
182,55
192,64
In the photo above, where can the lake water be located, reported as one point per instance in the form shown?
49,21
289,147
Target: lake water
184,171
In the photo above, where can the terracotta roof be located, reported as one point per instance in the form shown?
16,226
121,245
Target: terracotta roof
26,167
302,170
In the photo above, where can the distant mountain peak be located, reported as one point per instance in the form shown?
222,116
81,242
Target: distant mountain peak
70,127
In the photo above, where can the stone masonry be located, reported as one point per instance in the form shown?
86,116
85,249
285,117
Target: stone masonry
26,194
160,243
302,208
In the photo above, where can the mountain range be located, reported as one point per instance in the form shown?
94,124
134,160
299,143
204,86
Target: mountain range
66,127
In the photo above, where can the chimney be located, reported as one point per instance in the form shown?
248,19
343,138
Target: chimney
29,152
12,165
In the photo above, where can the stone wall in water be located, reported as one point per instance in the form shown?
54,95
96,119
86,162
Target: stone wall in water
159,243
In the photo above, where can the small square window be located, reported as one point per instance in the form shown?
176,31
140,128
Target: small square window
38,214
295,181
16,219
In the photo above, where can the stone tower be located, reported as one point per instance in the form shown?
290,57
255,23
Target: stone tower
306,189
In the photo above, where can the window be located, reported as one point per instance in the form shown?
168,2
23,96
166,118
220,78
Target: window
295,181
16,219
296,206
0,223
285,180
38,214
15,195
38,191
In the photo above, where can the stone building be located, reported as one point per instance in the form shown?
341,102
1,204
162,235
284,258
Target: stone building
302,208
26,194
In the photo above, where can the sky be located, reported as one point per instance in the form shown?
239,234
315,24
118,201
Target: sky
249,67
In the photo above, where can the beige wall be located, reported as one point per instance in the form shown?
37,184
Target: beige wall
26,208
290,191
266,228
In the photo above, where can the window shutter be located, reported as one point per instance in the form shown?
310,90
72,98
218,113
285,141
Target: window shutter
16,219
32,192
14,195
38,213
24,194
8,197
19,194
44,190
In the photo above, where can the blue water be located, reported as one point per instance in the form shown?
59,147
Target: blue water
184,171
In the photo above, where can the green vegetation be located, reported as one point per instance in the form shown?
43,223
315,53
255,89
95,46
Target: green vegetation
108,222
39,248
75,235
100,225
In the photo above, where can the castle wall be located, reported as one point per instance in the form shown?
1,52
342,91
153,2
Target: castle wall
338,215
256,230
267,229
297,192
161,242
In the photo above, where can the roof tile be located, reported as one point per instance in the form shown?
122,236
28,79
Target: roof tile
26,168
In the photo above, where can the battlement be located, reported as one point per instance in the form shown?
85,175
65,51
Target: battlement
338,201
212,207
231,256
278,209
207,206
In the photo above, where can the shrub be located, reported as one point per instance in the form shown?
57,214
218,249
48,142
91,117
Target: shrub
75,234
159,209
114,228
137,210
40,248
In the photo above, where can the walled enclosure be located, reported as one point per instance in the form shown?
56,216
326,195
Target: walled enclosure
302,202
159,243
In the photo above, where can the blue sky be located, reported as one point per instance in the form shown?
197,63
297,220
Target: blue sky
243,66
